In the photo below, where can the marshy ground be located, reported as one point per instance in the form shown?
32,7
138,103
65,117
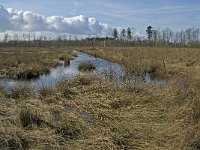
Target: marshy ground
91,113
22,63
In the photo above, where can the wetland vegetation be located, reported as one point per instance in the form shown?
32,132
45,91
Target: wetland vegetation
78,83
88,112
29,64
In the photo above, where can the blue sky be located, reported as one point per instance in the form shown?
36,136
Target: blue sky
175,14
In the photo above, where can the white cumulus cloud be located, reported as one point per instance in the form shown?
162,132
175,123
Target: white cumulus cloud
14,20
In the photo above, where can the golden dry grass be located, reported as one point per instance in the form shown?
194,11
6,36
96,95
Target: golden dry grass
31,62
163,61
90,113
180,66
86,66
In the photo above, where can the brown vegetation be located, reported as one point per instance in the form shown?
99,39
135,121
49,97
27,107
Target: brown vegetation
86,66
30,63
89,113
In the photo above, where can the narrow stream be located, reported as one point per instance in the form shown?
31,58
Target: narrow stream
104,68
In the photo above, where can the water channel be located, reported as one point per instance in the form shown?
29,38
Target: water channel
104,68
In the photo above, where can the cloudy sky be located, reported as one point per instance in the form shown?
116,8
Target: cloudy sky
97,16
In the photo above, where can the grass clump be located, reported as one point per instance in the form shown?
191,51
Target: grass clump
71,127
29,117
13,143
64,90
45,92
84,80
67,57
20,92
67,93
120,103
86,66
196,110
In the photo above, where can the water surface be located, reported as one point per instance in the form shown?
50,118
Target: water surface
104,68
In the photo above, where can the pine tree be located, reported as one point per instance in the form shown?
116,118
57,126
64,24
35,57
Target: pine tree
149,31
115,33
129,34
123,34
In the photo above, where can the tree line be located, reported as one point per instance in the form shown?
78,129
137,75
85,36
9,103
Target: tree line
125,34
120,38
31,40
162,37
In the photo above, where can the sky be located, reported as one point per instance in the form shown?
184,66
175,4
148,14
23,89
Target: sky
99,16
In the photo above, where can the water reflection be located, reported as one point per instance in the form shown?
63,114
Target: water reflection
104,68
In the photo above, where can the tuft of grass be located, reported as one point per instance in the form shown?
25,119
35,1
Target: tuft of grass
67,57
67,93
86,66
29,117
66,62
19,92
83,80
14,143
64,91
196,110
120,104
46,91
71,127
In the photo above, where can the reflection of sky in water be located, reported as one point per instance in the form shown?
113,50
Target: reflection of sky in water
104,68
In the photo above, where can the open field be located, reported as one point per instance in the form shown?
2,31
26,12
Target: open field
91,113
